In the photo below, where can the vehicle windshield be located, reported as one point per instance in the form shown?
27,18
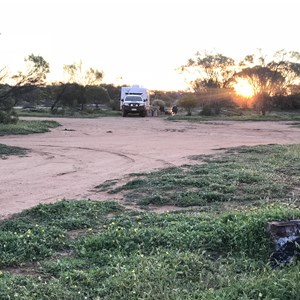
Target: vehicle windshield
133,99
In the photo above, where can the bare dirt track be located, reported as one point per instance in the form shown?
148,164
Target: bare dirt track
71,160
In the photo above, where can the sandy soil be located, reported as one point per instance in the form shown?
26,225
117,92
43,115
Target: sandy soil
71,160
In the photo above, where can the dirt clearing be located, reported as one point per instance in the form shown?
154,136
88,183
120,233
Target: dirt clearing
69,161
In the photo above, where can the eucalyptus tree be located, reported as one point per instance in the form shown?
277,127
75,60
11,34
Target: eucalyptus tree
83,82
20,83
268,78
210,70
76,74
188,102
213,74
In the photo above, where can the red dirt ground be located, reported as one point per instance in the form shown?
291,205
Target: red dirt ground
71,160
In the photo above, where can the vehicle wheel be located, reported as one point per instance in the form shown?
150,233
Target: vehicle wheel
124,113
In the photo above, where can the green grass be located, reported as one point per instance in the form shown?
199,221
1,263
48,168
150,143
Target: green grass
243,175
67,114
96,250
10,150
37,233
99,250
27,127
242,116
22,127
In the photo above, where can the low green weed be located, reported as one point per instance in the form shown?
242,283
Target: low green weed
135,255
243,174
97,250
27,127
71,215
241,116
238,231
39,232
11,150
68,113
17,247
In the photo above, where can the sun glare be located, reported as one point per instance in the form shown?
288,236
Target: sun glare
243,88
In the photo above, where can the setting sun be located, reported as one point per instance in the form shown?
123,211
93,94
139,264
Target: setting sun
243,88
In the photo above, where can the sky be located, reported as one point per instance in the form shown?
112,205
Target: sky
142,41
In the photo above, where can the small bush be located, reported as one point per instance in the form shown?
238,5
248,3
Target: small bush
10,150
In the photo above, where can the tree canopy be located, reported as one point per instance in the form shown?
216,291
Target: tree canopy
80,87
211,70
76,74
278,75
272,77
24,82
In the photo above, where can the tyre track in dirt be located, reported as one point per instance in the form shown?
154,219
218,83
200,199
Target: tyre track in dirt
71,160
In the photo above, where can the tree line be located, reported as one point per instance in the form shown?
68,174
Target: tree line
274,82
29,88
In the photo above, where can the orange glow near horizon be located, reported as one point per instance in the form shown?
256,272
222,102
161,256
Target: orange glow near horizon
243,88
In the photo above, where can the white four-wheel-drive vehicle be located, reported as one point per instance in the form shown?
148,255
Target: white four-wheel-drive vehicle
134,99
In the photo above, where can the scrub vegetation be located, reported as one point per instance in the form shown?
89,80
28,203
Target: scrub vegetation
64,113
10,150
243,175
22,127
27,127
99,250
241,115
